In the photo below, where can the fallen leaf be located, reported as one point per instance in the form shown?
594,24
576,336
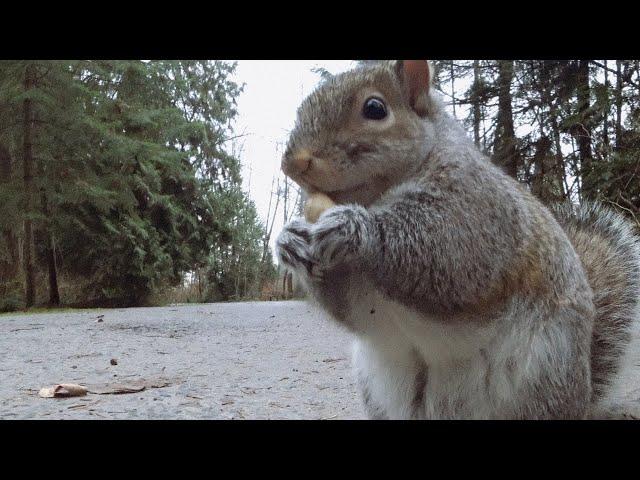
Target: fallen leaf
63,390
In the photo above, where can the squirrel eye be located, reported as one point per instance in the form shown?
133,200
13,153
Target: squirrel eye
374,109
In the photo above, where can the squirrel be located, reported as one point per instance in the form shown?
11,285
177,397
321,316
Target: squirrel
467,297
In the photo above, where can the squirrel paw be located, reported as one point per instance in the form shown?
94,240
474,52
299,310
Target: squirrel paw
293,247
340,236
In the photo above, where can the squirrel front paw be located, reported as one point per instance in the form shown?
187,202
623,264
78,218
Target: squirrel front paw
293,247
342,235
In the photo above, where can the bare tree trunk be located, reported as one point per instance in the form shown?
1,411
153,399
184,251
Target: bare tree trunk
269,226
290,283
199,277
10,270
453,91
542,184
582,130
29,273
54,294
284,284
302,198
563,191
13,264
505,151
265,236
605,127
286,199
618,104
475,102
549,165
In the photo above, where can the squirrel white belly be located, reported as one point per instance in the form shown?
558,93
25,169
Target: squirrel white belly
468,298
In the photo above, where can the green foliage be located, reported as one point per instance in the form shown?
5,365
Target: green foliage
11,297
131,171
569,129
235,269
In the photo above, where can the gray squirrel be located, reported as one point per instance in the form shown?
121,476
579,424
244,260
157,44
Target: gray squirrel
466,296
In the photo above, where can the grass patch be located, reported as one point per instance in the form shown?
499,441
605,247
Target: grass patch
45,310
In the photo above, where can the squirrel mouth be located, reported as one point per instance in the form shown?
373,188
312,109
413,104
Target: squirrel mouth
310,187
363,193
355,193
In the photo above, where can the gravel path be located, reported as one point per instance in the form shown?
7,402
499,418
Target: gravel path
262,360
257,360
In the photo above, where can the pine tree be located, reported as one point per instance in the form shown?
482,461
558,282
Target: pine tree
125,167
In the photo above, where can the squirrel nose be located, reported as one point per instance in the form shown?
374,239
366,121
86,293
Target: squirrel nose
297,163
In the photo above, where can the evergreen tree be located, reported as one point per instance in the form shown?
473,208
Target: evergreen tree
124,170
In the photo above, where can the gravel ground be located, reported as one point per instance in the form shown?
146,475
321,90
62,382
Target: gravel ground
262,360
256,360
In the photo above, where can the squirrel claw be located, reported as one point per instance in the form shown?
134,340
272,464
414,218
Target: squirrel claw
292,247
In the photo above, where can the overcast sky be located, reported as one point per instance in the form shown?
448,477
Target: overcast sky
266,113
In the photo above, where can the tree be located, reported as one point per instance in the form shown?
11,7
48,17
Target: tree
27,167
125,169
505,152
582,128
549,122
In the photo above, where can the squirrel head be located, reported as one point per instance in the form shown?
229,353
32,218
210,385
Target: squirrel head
362,131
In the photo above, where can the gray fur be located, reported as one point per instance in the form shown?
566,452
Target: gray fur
610,253
466,295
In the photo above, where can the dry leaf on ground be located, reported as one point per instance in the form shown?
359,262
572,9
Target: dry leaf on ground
63,390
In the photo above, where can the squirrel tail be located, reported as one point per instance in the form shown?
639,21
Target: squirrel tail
610,253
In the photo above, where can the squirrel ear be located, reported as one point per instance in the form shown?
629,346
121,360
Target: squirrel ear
415,77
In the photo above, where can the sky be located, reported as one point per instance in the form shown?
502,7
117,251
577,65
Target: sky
273,90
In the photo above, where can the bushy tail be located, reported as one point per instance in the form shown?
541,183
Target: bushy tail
610,252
